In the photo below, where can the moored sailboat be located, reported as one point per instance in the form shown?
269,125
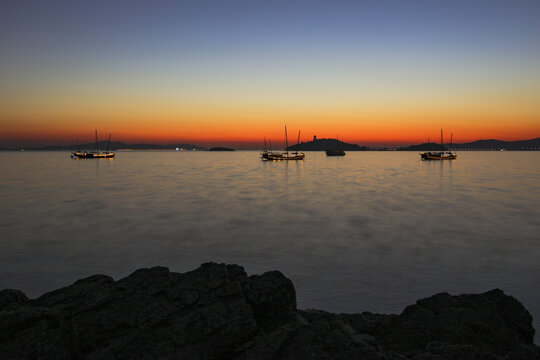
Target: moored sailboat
95,154
267,152
284,155
440,155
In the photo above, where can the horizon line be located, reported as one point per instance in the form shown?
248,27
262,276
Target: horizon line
245,145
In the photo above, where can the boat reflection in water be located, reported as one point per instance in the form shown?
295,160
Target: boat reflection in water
94,154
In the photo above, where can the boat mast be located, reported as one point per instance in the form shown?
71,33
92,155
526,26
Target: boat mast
442,143
270,144
286,142
297,143
265,148
450,142
97,146
108,143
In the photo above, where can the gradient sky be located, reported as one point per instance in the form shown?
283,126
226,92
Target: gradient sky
230,72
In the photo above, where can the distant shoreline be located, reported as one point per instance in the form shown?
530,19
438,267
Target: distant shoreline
314,145
195,150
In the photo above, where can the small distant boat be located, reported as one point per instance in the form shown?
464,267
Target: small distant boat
440,155
335,152
273,156
95,154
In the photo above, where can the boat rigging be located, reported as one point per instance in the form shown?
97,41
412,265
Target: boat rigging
440,155
95,154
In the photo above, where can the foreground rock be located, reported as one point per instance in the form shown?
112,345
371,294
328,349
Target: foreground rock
218,312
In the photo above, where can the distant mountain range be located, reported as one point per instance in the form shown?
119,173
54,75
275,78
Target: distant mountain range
492,144
114,146
326,144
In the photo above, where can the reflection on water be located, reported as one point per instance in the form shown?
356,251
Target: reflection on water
369,231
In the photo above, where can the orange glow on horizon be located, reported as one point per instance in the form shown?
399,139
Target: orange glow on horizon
250,135
207,123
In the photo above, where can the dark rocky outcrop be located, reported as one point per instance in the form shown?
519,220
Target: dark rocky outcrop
12,299
218,312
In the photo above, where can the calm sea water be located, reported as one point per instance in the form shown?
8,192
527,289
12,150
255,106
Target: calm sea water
372,231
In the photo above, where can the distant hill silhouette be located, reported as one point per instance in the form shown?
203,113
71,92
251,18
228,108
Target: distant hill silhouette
326,144
491,144
115,146
423,147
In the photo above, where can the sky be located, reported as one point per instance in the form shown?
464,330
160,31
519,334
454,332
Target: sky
229,73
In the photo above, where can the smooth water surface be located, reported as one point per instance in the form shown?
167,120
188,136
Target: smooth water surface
372,231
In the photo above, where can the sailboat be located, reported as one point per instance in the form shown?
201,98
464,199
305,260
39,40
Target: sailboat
268,150
284,155
95,154
440,155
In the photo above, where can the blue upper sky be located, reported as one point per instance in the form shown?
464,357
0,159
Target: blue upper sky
56,30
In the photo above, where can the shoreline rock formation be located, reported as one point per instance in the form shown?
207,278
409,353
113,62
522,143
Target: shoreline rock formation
217,311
